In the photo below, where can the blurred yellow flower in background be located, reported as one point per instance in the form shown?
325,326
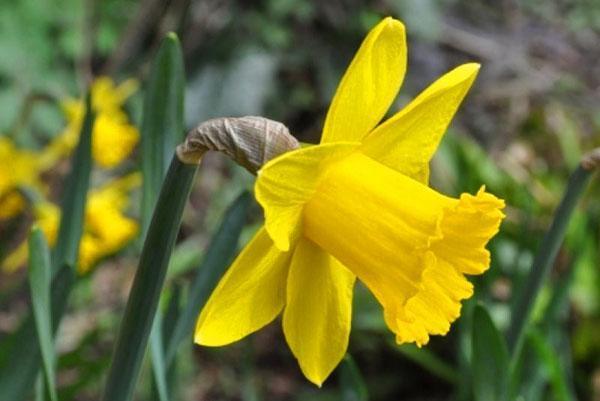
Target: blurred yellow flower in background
358,205
19,168
114,137
107,228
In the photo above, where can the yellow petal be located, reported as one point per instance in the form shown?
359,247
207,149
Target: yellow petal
316,319
286,183
369,85
406,142
249,296
112,141
11,204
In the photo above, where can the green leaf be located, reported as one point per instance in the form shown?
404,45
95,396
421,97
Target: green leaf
490,362
170,319
157,354
39,283
75,195
219,255
162,130
551,361
162,121
148,282
173,310
21,366
544,259
40,391
351,381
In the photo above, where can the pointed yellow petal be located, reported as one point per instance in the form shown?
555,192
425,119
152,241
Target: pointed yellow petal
316,319
287,182
406,142
370,84
249,296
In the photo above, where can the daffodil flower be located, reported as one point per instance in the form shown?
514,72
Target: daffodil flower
107,229
19,169
358,205
113,138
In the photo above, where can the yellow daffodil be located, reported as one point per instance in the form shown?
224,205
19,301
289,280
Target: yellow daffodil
358,205
113,137
106,228
19,168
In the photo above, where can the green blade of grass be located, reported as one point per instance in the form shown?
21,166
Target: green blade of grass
170,319
19,366
218,256
490,362
148,282
352,384
39,389
22,364
542,263
162,124
158,359
39,284
552,363
75,195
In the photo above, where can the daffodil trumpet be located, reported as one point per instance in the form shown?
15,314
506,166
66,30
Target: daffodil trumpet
357,205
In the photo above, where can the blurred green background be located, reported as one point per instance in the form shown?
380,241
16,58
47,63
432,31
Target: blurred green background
533,111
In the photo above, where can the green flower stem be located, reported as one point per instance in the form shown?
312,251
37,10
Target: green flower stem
148,282
549,248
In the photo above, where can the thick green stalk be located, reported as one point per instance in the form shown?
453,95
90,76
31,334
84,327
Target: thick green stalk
219,255
162,123
547,252
147,285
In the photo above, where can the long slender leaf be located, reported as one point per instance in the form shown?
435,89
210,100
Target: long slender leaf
551,361
162,129
147,285
490,361
171,316
351,381
544,259
39,283
218,257
75,195
162,124
528,376
173,310
40,391
158,359
20,366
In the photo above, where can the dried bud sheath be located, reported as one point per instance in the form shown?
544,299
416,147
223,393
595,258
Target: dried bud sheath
591,160
249,141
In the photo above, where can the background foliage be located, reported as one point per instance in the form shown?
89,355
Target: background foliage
534,109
